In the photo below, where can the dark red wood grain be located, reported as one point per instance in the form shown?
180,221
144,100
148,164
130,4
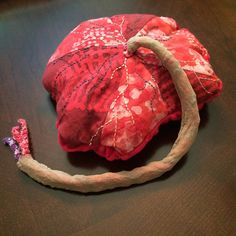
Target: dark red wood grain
198,197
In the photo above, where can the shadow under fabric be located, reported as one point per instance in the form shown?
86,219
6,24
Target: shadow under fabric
115,80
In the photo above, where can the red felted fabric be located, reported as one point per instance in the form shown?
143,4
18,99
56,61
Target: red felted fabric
112,102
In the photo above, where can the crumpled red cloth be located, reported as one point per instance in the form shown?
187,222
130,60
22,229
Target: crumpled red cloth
112,102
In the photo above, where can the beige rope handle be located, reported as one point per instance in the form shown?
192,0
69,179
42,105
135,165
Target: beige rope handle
100,182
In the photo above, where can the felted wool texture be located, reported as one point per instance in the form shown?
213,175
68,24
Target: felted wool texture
112,102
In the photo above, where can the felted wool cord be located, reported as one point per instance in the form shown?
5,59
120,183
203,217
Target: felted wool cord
115,81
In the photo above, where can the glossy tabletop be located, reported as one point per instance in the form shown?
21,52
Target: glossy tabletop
198,197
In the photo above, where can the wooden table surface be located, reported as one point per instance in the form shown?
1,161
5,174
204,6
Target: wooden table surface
198,197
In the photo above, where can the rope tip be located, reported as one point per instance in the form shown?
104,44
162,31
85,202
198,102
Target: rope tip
18,143
13,146
20,134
